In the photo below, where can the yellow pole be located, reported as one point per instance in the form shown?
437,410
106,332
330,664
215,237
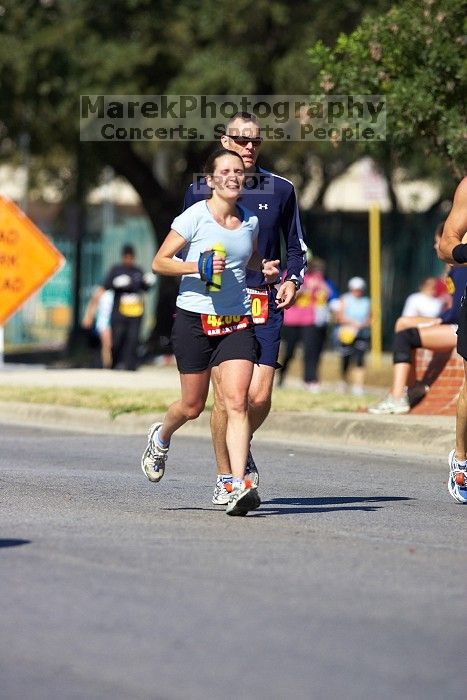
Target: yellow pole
375,284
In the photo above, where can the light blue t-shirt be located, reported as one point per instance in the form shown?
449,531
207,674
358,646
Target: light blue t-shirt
199,228
356,308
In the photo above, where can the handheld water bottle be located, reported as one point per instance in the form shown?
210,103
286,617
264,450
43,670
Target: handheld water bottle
216,282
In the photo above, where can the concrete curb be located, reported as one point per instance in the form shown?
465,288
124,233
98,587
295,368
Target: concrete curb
425,435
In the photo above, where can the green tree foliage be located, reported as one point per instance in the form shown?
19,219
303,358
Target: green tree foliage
414,54
51,51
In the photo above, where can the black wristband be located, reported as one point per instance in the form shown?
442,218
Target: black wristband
294,281
459,253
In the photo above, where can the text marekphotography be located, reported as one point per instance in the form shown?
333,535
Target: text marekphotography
204,117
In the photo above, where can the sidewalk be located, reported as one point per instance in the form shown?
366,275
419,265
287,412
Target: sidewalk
426,435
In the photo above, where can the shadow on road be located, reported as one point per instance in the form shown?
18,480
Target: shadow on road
297,505
326,504
13,543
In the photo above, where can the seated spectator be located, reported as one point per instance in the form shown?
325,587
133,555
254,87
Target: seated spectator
436,334
424,302
444,290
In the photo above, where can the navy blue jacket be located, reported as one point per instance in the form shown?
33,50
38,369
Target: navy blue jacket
272,199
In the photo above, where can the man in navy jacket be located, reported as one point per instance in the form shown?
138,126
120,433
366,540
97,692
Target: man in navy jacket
273,200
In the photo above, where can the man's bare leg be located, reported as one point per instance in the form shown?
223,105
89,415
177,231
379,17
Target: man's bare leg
457,482
259,395
461,421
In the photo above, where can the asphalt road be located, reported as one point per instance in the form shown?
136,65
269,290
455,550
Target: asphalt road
349,582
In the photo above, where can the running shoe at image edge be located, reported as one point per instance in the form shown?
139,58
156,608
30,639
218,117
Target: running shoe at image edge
457,482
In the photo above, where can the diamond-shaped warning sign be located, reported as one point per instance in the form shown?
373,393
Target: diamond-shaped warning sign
27,259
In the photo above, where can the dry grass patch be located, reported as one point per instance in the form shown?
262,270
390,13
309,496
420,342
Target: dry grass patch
119,401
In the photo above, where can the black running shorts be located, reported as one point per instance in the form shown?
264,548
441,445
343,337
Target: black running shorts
195,351
462,329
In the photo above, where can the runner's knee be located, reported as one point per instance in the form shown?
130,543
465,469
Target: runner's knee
404,343
260,401
193,409
236,404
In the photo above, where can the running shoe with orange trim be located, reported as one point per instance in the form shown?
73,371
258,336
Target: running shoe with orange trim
243,499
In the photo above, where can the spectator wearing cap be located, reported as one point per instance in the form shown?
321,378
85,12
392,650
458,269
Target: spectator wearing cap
353,316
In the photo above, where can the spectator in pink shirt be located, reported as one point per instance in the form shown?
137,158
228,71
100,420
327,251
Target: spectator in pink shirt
306,322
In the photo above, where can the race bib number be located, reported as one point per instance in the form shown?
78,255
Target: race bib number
131,305
222,325
259,304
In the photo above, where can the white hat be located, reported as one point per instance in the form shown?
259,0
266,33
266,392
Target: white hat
357,283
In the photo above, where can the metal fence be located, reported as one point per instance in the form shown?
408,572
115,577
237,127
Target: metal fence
407,254
341,239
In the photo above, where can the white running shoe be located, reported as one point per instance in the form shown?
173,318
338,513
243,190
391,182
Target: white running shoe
251,470
242,499
222,491
154,456
390,405
457,483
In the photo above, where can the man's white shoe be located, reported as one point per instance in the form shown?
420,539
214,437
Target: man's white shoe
390,405
251,470
457,482
222,491
154,456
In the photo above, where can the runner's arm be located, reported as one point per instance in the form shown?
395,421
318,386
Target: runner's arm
455,229
293,234
165,264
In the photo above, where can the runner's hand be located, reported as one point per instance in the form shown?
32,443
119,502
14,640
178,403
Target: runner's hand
270,271
210,264
218,264
286,294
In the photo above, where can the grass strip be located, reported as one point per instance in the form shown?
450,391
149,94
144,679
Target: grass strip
120,401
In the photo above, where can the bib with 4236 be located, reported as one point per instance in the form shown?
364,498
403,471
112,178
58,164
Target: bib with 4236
221,325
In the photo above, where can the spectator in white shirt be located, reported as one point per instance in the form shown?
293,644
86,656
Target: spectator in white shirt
424,302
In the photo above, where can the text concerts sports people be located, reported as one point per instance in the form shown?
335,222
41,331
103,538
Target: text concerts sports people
213,326
272,199
453,249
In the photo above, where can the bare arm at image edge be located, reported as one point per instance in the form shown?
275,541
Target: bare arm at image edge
455,226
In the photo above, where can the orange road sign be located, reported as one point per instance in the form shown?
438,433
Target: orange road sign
27,259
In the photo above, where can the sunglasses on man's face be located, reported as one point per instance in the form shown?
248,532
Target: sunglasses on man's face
244,140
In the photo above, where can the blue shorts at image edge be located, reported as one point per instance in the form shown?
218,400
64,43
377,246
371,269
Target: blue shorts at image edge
268,334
